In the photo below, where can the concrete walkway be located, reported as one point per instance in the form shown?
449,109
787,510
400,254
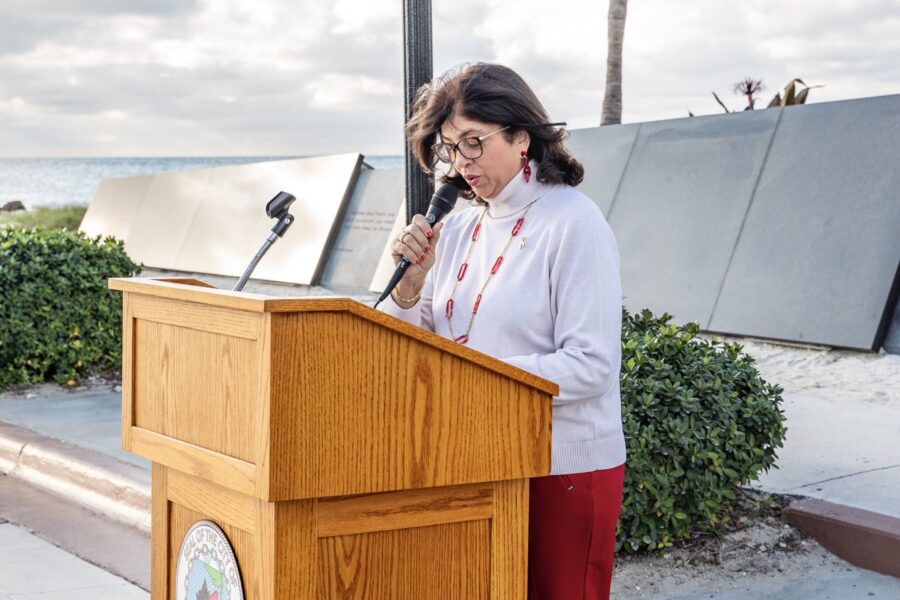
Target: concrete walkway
835,451
88,418
32,568
843,452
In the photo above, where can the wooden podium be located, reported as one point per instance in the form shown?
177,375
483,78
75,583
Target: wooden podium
344,453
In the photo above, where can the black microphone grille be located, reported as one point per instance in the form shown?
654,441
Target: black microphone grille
448,193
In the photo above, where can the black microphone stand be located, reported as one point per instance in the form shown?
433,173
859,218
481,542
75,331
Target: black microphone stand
276,208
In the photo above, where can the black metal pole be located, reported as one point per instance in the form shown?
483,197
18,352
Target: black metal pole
417,70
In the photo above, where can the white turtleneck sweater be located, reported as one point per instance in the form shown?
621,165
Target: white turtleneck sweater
554,308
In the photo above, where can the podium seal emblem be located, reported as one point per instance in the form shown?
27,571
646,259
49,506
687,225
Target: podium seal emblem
207,568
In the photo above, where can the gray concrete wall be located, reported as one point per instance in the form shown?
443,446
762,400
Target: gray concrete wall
818,253
777,223
606,150
680,206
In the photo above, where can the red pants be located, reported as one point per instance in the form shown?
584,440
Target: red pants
572,534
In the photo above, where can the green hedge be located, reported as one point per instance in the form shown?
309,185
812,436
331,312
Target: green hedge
699,421
49,217
59,320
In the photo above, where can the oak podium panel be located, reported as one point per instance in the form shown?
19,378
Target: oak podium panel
343,453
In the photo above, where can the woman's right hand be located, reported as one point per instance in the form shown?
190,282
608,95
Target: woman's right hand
416,242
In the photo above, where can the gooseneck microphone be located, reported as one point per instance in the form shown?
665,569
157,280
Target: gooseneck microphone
442,202
276,208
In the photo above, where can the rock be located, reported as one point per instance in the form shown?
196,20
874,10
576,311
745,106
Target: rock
117,388
12,206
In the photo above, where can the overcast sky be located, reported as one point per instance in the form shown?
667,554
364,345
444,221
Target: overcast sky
278,77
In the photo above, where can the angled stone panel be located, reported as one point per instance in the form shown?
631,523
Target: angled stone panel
323,186
223,227
819,251
213,221
230,223
115,206
603,151
365,230
164,217
680,207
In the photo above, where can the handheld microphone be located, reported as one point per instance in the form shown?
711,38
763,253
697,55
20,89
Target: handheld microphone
442,202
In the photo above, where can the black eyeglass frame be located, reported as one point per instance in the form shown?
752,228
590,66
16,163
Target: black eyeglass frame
452,149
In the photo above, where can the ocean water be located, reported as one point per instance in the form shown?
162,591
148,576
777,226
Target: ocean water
55,181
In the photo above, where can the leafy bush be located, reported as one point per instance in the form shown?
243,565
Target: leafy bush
59,320
50,217
699,421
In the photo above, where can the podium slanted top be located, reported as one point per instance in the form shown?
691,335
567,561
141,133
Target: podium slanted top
292,398
193,290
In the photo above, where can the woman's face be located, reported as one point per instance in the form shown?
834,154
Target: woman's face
500,161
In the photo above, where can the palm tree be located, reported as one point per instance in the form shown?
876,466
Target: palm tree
612,99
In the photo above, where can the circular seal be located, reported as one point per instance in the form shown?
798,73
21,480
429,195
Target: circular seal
207,568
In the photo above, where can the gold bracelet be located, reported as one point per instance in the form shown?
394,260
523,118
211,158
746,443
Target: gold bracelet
412,300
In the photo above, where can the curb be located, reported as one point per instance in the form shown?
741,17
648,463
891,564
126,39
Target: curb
91,479
866,539
121,491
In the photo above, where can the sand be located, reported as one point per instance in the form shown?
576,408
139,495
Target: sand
766,558
831,374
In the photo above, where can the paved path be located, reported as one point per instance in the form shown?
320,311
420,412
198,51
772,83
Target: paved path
844,452
90,418
31,568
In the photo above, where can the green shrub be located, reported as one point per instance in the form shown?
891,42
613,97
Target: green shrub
699,421
50,217
59,320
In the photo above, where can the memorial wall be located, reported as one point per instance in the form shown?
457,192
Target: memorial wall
372,214
213,220
779,223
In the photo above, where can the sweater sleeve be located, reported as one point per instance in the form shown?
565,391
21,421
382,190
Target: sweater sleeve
420,314
586,297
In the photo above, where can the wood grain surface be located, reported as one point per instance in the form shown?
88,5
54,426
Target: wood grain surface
403,510
197,387
220,504
344,453
254,303
452,542
160,534
441,561
286,550
232,473
128,354
364,409
509,540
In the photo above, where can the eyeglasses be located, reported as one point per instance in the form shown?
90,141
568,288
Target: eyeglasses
470,148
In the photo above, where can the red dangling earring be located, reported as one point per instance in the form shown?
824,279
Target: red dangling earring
526,167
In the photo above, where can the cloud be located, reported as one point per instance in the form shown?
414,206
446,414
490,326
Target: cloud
91,8
170,77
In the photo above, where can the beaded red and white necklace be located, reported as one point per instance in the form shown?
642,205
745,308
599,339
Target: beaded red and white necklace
448,312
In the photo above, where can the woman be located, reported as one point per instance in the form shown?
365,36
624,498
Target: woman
528,274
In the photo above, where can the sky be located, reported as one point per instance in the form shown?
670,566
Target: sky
300,77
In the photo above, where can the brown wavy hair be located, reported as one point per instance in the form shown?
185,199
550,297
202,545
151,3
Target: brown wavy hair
489,93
